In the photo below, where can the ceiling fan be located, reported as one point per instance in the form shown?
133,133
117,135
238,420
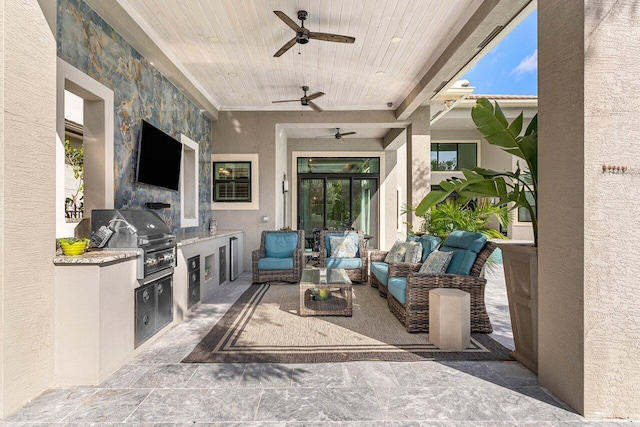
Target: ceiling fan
303,35
337,135
306,100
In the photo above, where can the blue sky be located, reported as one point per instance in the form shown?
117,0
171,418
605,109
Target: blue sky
511,68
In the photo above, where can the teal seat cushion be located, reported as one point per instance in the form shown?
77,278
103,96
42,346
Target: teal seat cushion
381,271
327,241
429,244
398,288
275,264
346,263
280,245
465,246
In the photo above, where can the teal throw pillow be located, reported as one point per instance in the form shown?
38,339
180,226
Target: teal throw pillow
396,253
413,253
342,247
436,263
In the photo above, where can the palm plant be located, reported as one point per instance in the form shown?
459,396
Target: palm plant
452,215
508,188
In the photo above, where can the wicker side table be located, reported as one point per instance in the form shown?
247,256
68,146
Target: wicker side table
336,281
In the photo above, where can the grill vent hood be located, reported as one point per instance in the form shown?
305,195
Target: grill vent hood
132,228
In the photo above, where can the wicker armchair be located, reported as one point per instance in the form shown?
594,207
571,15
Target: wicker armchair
414,315
357,273
269,274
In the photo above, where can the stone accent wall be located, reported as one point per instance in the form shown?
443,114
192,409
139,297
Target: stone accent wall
90,44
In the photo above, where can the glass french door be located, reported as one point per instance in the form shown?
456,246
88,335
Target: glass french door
338,203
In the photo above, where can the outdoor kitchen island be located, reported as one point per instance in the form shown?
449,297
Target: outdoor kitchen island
95,303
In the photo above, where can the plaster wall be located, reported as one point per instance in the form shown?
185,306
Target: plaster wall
588,269
27,189
248,132
611,207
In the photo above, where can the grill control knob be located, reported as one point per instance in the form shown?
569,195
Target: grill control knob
151,262
167,257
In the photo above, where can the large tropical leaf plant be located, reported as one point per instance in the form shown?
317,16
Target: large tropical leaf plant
452,215
515,189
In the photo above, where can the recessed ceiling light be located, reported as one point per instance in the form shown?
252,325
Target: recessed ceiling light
367,96
150,63
379,73
244,97
233,75
396,39
213,39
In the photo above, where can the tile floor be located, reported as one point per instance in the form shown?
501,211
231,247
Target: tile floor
154,389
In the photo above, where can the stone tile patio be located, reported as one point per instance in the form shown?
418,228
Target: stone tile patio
154,389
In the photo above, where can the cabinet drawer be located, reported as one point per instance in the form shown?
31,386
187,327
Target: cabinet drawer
194,295
164,292
193,263
194,278
145,326
145,298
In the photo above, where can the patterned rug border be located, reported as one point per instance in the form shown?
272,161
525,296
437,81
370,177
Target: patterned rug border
208,349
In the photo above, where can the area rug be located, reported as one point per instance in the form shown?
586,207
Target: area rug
263,326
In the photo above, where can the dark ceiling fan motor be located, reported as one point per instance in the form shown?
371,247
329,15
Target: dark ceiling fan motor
302,37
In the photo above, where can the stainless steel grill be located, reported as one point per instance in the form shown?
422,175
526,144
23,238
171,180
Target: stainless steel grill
146,232
142,230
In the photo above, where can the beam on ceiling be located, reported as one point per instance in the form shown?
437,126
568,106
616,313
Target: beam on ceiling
113,12
393,140
477,33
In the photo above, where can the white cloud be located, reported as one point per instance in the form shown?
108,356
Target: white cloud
527,65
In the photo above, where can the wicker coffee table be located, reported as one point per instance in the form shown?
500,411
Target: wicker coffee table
336,282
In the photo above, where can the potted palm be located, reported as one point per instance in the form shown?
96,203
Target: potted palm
515,189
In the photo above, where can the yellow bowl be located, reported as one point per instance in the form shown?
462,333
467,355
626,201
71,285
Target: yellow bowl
73,249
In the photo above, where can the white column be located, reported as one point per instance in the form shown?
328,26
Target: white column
418,159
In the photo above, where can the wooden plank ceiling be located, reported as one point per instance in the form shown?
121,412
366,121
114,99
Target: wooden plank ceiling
226,47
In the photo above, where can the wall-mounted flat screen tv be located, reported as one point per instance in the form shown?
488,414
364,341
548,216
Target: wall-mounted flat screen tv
159,158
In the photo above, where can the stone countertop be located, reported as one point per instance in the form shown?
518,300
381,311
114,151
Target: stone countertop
110,256
95,257
201,236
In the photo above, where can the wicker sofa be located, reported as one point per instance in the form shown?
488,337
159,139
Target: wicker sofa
379,269
356,268
280,257
413,312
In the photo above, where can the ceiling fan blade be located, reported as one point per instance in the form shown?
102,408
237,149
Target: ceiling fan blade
286,100
288,45
326,137
348,133
332,37
314,96
290,22
315,107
